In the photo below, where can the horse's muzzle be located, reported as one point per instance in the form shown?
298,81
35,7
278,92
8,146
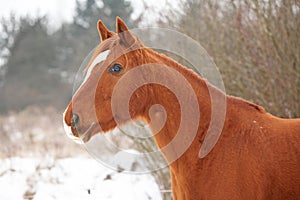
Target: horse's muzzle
68,128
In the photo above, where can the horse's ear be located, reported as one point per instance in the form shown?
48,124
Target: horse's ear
104,33
122,30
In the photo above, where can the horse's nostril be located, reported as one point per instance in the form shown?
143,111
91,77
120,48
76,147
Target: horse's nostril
75,119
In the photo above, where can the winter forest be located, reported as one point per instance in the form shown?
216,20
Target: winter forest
255,44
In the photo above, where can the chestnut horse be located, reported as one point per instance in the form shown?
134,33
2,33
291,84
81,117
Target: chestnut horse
256,156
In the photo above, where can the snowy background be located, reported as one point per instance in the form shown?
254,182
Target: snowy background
38,161
71,178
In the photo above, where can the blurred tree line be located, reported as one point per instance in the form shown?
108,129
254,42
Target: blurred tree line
255,44
39,64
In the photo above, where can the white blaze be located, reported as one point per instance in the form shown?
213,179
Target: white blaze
101,57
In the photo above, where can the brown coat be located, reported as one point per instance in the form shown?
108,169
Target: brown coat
256,156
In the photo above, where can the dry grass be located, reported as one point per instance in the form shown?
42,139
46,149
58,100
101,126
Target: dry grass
35,132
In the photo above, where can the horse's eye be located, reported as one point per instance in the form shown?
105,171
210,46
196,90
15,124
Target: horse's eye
116,68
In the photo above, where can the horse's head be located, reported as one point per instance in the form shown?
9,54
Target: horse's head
126,81
92,109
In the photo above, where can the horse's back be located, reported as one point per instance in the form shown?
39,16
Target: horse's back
284,168
262,154
278,156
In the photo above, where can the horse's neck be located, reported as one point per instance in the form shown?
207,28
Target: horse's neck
167,99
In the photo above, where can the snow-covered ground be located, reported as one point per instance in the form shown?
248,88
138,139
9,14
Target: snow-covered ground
38,161
71,178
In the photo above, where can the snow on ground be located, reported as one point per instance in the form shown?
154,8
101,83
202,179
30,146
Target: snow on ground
71,178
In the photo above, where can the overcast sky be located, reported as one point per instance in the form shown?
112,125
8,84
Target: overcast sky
57,10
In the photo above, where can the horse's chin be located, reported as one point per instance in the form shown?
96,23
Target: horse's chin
94,129
87,135
74,138
84,137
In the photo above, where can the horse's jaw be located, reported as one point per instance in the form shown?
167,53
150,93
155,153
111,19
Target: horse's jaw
131,128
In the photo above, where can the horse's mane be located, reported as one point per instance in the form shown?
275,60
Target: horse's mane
112,42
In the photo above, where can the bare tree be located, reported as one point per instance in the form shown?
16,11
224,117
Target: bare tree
256,46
